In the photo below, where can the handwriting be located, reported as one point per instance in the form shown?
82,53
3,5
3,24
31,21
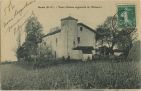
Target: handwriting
9,8
7,22
18,26
18,12
16,22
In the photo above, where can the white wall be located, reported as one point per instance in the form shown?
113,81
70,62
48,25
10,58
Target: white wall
70,30
85,57
68,34
87,37
55,46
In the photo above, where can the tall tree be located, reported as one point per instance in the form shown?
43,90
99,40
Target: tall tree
110,34
126,38
34,34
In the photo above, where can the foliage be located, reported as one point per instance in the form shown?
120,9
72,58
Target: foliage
111,35
44,50
106,34
126,38
28,50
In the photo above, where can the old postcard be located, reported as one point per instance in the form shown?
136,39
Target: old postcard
83,45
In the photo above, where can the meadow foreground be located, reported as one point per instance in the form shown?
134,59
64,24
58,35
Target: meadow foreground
79,75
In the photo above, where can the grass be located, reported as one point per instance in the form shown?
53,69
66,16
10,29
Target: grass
84,75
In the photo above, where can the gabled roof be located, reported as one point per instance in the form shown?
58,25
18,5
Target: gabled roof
68,18
87,27
51,33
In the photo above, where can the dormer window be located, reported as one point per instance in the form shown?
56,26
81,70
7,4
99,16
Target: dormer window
81,29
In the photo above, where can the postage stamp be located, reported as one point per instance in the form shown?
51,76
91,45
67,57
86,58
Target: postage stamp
126,16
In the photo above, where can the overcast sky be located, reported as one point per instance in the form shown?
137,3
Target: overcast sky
48,17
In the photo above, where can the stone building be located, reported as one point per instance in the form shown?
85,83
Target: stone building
72,40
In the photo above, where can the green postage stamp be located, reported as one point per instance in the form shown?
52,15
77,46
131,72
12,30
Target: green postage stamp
126,16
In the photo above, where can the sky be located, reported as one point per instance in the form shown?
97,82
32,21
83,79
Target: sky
49,12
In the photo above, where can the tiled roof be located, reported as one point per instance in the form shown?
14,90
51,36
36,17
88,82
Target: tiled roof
68,18
118,50
83,48
87,27
51,33
87,51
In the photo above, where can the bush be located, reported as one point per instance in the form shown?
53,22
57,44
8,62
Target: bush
134,53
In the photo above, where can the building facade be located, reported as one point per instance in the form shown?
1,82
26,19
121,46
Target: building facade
72,40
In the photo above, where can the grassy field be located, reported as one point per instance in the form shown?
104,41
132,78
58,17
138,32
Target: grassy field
78,75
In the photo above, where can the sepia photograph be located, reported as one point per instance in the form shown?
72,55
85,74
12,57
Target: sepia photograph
83,45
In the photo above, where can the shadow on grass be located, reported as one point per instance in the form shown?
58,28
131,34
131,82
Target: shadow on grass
45,63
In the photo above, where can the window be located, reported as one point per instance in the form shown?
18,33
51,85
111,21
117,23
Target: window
55,54
78,40
81,28
73,43
56,41
44,43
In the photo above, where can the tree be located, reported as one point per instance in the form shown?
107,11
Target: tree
34,35
126,38
106,35
110,34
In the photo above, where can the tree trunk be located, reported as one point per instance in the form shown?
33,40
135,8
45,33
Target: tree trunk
111,51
